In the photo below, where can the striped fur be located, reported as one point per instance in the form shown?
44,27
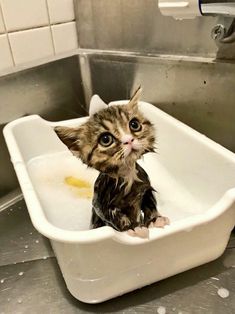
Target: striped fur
122,190
84,141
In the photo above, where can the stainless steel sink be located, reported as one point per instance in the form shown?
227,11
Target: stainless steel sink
197,91
183,72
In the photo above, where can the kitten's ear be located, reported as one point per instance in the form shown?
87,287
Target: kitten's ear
96,104
135,98
69,136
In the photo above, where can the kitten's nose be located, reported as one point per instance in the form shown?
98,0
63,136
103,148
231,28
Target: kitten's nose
127,139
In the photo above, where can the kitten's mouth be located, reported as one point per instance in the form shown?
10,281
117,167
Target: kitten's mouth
130,151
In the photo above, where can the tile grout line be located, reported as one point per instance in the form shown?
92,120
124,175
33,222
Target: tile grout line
7,34
75,8
49,20
36,27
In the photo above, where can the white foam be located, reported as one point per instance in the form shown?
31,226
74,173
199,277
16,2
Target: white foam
161,310
174,199
223,293
64,207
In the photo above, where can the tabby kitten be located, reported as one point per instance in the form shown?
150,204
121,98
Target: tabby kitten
111,141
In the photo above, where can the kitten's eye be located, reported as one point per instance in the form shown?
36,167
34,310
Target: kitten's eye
106,139
135,125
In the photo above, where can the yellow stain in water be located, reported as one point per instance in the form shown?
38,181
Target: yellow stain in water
78,183
85,193
83,186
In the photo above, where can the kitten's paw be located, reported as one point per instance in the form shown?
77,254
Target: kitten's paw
141,232
160,222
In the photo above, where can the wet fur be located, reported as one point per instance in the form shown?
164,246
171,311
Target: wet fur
112,206
123,196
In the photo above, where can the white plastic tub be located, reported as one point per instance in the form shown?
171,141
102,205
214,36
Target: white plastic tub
195,180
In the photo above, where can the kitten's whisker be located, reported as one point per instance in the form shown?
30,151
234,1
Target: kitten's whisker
120,154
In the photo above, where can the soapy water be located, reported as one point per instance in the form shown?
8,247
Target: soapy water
174,199
223,293
65,205
56,179
161,310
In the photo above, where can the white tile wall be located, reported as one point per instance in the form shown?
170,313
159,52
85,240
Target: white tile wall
60,11
2,28
35,30
6,58
65,37
31,45
23,14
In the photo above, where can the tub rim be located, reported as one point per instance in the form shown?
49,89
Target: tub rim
42,224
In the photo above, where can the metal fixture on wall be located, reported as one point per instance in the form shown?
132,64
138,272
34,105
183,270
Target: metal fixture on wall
189,9
223,31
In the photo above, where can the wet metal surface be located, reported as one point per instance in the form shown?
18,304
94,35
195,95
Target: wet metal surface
36,285
138,25
188,89
19,241
53,90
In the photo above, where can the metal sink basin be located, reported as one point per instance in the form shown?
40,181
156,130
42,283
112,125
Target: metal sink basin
198,91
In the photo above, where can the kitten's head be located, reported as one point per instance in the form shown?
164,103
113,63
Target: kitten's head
113,138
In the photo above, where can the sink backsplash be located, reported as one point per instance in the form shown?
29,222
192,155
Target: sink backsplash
35,31
56,53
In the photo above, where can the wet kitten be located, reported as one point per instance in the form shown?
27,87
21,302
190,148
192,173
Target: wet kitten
111,141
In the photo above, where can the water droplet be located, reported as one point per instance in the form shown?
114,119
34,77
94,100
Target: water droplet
26,246
44,257
2,281
161,310
37,241
223,293
19,300
31,233
21,273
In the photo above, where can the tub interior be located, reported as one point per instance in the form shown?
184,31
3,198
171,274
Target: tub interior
189,173
69,207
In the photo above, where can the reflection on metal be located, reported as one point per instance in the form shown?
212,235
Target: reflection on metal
191,89
10,199
138,26
20,242
52,90
224,30
85,77
217,7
